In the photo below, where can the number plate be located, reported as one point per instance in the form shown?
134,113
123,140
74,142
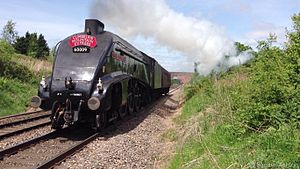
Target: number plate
81,49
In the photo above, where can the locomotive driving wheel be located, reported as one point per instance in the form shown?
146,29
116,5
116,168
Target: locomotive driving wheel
134,100
130,103
137,98
123,111
101,121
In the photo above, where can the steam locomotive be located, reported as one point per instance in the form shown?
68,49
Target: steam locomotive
98,77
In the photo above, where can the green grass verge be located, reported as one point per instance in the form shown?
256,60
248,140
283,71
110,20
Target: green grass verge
169,135
15,95
217,136
223,149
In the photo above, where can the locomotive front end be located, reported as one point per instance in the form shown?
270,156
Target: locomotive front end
75,75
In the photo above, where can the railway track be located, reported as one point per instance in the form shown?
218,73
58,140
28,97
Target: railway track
22,118
18,116
174,89
52,148
47,150
16,124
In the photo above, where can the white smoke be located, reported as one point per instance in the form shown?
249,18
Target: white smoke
199,39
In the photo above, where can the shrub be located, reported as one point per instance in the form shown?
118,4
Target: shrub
6,50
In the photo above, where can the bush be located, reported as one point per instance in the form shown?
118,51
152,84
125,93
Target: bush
13,70
17,82
274,96
197,85
6,50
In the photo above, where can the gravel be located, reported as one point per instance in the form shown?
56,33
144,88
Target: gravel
10,141
135,143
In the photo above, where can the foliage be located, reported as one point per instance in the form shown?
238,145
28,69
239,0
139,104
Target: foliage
9,68
17,82
9,34
196,85
241,47
6,50
15,95
32,45
22,43
274,97
175,82
248,117
43,49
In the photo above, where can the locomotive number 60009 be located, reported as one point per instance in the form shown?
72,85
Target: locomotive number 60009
98,77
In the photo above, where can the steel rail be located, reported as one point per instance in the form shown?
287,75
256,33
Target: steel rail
8,134
69,152
173,90
24,120
19,114
14,149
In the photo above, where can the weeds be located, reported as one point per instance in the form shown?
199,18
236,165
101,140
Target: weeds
170,135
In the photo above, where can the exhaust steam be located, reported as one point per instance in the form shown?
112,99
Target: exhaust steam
201,41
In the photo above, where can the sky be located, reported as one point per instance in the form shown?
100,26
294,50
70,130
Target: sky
246,21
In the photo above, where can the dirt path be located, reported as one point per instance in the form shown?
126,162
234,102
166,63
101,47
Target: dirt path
136,143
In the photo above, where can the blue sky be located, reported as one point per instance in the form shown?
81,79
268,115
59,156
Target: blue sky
244,20
55,19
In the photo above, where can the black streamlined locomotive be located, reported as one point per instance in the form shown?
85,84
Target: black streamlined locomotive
98,77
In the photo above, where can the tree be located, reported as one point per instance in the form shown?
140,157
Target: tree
21,45
294,36
9,34
266,44
241,47
32,45
43,49
293,50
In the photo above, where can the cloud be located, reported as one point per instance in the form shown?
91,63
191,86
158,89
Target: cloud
261,31
236,6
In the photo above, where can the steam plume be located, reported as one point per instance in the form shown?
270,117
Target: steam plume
199,39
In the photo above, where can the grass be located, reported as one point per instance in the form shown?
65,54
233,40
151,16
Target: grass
15,95
39,66
193,106
222,149
169,135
